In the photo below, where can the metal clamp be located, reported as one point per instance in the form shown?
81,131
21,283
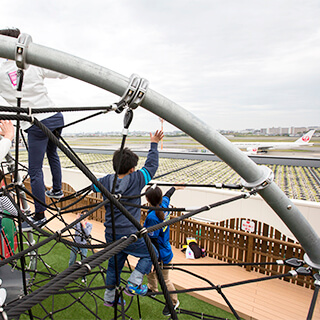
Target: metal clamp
134,236
58,233
88,267
140,94
261,183
293,273
310,263
133,95
316,277
21,50
143,231
117,196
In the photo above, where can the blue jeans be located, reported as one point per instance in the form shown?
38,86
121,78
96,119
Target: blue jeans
73,254
39,144
138,249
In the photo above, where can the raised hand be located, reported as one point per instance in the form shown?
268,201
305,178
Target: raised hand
157,136
7,129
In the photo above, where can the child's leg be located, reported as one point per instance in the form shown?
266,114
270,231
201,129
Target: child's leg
73,256
139,250
111,279
153,281
37,141
55,166
169,284
84,252
54,122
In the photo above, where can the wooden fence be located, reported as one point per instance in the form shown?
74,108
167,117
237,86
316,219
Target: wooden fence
224,240
227,242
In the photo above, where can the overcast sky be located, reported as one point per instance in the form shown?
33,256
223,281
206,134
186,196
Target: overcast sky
234,64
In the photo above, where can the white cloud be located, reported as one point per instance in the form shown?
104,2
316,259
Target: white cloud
234,64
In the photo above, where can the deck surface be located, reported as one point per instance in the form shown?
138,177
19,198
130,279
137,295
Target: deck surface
272,299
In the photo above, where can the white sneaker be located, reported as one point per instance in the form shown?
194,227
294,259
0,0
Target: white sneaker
3,296
166,311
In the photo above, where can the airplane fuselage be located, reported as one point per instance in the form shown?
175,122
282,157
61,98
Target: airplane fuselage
255,147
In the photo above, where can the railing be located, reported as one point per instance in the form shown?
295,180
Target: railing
224,240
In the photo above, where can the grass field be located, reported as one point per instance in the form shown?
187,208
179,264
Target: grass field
89,305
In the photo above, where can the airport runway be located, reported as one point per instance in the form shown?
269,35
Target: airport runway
286,158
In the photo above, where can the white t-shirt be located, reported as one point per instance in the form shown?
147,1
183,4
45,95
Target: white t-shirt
5,145
35,94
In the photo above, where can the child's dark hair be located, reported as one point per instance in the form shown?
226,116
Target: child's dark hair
128,160
154,197
10,32
1,175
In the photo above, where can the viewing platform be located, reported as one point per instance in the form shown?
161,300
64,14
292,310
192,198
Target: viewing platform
266,300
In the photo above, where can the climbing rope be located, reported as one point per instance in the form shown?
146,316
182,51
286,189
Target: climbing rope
62,281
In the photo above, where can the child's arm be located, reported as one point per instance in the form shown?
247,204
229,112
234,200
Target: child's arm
155,243
7,131
149,223
87,228
151,165
6,204
103,180
170,192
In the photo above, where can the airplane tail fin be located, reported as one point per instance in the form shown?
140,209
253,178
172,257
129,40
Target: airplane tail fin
306,138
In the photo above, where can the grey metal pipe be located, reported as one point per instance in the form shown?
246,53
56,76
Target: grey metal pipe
154,102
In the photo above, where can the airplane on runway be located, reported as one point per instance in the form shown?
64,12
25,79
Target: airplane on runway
263,147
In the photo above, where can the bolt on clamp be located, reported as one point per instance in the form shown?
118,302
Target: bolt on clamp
133,95
262,182
21,50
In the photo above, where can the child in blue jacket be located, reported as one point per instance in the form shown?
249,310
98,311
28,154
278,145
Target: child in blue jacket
161,239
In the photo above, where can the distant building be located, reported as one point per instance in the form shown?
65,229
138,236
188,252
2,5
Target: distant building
298,130
284,131
274,131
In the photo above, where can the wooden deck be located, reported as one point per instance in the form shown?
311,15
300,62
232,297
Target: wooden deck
271,299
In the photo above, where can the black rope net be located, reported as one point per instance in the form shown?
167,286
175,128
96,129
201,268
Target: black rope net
48,289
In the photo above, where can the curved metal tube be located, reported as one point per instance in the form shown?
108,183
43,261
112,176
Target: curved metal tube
154,102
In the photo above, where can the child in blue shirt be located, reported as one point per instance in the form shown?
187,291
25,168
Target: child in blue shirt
161,239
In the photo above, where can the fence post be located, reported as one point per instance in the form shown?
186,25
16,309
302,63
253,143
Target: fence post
249,254
178,227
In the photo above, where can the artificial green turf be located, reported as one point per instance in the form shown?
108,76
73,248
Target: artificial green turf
75,306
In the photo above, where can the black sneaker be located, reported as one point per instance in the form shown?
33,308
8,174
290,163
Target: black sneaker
54,194
25,226
149,293
166,311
